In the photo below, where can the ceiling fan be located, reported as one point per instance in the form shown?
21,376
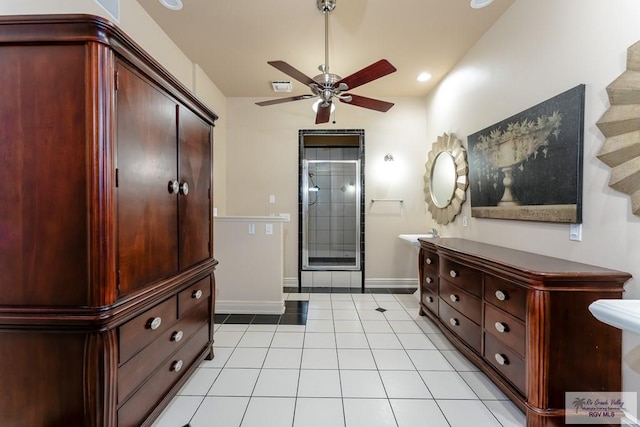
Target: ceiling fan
328,86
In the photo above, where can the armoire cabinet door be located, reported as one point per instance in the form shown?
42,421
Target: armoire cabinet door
147,207
194,153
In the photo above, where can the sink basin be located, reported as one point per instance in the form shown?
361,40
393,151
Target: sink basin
620,313
412,239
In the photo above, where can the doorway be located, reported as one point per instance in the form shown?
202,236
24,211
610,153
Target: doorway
331,209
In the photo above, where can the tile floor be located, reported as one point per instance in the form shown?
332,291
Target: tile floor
350,365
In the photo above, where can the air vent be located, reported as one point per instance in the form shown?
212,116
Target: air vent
282,86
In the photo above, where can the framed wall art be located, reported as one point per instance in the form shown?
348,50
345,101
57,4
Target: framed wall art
529,166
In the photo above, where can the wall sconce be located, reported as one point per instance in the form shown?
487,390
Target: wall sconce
388,158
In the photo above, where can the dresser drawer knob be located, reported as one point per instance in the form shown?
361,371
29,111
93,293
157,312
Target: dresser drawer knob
453,273
184,188
454,322
154,323
454,297
176,366
429,260
429,299
177,336
173,187
501,359
429,280
502,296
197,294
501,327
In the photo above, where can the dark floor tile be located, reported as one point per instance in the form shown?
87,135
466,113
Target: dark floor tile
220,318
266,319
402,290
345,290
290,289
377,291
239,319
296,306
322,290
293,319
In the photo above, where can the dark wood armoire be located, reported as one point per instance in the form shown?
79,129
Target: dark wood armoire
106,239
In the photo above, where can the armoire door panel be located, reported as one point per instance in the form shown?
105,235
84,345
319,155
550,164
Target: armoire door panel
146,164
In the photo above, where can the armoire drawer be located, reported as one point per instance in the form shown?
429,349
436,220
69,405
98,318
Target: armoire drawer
430,300
140,405
505,295
467,278
505,328
194,295
140,366
141,330
468,331
506,361
462,301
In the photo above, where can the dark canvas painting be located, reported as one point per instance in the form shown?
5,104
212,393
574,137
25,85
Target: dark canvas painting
529,166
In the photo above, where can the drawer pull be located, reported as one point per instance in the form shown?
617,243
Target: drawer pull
176,366
501,359
429,299
173,187
177,336
501,327
429,261
197,294
429,280
454,322
453,273
154,323
454,297
501,295
184,188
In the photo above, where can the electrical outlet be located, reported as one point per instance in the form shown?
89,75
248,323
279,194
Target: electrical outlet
575,232
252,229
464,221
268,229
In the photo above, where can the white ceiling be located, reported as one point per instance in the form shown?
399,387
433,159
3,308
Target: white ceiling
232,40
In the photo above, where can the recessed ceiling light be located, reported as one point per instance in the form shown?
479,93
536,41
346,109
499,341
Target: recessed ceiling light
172,4
423,77
479,4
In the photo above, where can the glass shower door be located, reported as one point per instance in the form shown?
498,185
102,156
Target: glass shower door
331,213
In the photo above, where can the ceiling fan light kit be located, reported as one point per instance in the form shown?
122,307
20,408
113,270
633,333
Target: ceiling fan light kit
479,4
172,4
328,86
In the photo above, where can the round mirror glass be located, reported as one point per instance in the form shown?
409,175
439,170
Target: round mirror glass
443,179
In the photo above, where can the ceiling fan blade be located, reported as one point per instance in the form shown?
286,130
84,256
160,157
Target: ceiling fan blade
283,100
323,114
292,72
368,74
370,103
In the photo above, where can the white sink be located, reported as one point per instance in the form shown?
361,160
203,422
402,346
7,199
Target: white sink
412,239
620,313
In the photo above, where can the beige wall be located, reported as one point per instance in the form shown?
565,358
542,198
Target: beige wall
538,50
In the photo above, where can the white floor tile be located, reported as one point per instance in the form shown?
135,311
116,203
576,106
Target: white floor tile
316,304
427,325
405,327
507,413
388,341
283,358
458,361
262,328
288,340
404,385
315,325
368,413
345,315
391,305
441,342
465,413
384,297
369,304
314,412
277,383
291,328
319,340
247,358
413,413
319,383
227,339
351,340
429,360
398,315
416,342
447,385
200,383
482,386
392,360
321,314
361,384
233,327
179,411
221,355
348,325
269,412
355,359
362,297
343,305
319,358
341,297
371,314
234,382
220,411
376,326
256,339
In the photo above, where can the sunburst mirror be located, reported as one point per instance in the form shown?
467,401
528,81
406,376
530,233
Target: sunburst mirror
446,178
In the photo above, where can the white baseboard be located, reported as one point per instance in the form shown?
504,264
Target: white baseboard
290,282
250,307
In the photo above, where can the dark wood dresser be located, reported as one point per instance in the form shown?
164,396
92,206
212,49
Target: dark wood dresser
106,262
524,320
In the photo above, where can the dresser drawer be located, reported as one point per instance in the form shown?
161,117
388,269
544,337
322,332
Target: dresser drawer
430,261
140,405
467,278
430,281
141,330
430,300
505,328
505,295
508,363
468,331
462,301
194,295
140,366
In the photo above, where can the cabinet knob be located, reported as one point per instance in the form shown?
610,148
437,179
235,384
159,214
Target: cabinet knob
501,327
453,273
501,359
430,299
454,297
501,295
184,188
173,187
176,366
429,261
196,294
429,280
154,323
454,322
177,336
